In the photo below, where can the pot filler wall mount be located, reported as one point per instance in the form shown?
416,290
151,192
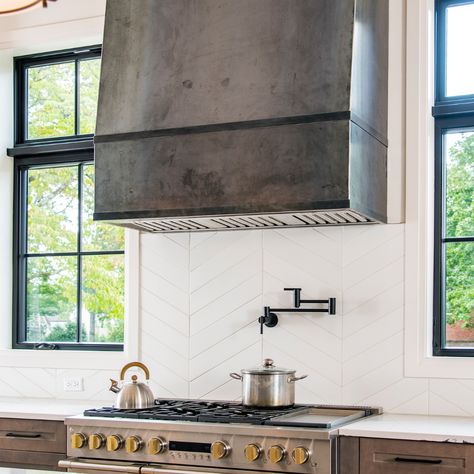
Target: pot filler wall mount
270,319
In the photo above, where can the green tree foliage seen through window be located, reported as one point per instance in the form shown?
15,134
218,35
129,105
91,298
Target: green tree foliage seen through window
460,223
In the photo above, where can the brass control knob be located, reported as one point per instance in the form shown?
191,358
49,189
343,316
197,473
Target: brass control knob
114,442
78,440
252,452
219,449
300,455
133,444
276,454
96,441
156,446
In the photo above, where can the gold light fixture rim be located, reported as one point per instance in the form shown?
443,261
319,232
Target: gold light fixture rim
28,4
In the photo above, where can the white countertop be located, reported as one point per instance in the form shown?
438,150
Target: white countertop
44,409
451,429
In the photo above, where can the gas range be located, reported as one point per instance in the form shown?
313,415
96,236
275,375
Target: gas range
201,436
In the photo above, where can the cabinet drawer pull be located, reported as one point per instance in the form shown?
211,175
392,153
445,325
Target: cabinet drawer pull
421,461
24,435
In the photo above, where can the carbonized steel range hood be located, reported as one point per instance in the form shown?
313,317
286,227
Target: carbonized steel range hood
228,114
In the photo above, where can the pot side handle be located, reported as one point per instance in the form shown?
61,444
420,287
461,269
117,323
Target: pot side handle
295,379
236,376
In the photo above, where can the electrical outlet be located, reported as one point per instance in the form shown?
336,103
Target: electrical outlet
73,384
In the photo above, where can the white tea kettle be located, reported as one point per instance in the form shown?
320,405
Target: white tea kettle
133,394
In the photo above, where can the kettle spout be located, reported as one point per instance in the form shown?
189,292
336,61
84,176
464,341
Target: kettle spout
114,386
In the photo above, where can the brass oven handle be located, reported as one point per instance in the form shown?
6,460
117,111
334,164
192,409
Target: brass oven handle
130,469
135,364
123,468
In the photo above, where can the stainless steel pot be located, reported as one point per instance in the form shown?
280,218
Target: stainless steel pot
268,386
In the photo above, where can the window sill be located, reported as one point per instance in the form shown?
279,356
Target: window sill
63,359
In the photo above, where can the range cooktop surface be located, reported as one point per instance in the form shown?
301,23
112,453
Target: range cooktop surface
311,416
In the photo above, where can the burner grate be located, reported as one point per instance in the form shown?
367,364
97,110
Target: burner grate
195,410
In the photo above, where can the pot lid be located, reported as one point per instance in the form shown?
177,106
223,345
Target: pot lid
268,367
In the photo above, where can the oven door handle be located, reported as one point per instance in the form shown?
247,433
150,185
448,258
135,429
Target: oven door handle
124,468
90,466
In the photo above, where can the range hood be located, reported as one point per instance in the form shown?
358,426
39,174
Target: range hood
228,114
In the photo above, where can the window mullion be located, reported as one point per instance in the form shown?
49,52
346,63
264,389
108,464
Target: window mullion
79,256
77,98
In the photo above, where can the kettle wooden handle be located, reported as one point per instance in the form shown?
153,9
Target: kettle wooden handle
135,364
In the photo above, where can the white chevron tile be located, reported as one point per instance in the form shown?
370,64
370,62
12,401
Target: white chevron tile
165,258
374,336
180,238
305,329
289,254
223,350
8,384
28,382
373,308
326,245
163,333
401,395
444,406
299,350
165,291
418,405
225,327
385,278
230,390
164,377
454,393
163,311
358,243
316,387
225,304
225,280
219,375
197,238
372,358
222,245
174,358
369,264
374,382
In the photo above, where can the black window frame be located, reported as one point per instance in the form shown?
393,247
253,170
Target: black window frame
451,113
21,65
72,150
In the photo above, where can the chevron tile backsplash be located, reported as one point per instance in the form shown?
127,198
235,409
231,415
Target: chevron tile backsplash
201,295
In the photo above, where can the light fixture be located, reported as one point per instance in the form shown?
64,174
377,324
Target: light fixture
14,6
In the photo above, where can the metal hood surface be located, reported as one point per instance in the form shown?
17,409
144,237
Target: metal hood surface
227,114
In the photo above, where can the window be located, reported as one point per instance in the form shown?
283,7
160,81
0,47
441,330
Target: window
453,333
69,270
57,96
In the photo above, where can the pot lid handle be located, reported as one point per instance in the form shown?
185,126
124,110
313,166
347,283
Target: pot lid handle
268,363
134,364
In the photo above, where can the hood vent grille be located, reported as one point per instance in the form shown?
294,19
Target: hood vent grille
313,219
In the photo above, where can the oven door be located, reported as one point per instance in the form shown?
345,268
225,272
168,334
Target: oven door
103,467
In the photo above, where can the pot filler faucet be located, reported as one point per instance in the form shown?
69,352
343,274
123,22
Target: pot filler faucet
270,319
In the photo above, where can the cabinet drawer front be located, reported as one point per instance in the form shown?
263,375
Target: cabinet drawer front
32,435
383,456
34,460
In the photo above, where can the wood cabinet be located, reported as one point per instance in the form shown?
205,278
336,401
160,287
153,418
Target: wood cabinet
32,443
389,456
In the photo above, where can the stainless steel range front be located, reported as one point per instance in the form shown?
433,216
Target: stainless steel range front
189,436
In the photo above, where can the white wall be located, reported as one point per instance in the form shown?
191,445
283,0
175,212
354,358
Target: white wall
202,293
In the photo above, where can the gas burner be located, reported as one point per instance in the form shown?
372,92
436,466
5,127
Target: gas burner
195,410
